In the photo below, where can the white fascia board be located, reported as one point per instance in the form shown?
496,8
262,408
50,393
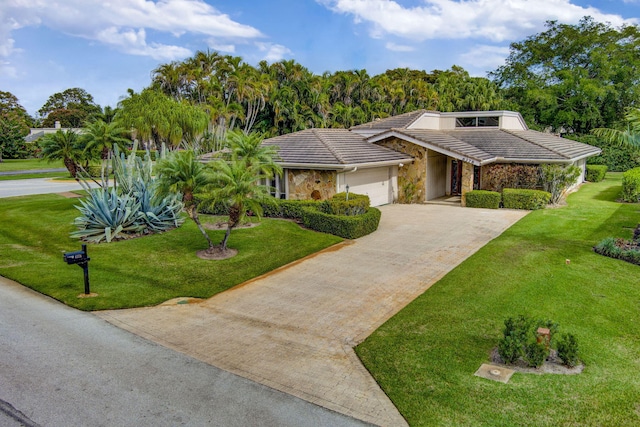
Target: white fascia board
318,166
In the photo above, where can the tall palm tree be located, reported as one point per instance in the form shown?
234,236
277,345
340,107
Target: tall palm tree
181,172
65,146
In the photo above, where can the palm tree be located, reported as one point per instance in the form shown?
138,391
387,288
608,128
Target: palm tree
65,146
630,136
181,172
249,150
104,137
238,186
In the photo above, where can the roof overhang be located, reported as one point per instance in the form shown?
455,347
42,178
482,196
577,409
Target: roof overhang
344,167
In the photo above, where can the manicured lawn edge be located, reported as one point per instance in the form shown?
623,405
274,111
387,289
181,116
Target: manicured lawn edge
424,358
138,272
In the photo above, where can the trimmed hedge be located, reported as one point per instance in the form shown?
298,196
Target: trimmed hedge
595,173
309,214
513,198
483,199
348,227
339,205
152,153
631,185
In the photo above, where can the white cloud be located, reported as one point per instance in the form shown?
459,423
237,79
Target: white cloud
484,57
122,24
274,52
495,20
134,42
221,47
399,47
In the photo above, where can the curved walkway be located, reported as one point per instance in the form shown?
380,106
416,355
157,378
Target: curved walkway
294,329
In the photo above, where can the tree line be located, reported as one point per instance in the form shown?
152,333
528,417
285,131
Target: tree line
568,79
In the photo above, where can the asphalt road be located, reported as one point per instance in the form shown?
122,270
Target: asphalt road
26,187
62,367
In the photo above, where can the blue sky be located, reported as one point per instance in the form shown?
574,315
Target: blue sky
108,46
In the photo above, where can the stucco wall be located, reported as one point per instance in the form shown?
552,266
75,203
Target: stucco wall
301,183
412,177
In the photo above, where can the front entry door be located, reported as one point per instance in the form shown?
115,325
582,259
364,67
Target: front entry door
456,177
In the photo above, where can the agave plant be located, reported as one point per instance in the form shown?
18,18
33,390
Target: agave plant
107,216
131,208
158,214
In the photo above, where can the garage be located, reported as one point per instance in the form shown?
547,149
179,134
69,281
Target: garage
377,183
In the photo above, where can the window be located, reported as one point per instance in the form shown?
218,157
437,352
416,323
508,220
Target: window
472,122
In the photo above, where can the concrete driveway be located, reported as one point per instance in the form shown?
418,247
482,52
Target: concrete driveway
294,329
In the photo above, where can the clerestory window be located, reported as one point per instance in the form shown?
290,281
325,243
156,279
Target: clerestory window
472,122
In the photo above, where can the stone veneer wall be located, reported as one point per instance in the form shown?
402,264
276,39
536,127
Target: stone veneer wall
303,182
467,181
412,177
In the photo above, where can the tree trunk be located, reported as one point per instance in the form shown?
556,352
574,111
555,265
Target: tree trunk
71,167
192,211
234,218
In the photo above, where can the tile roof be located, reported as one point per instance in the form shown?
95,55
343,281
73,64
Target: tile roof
481,146
331,148
401,121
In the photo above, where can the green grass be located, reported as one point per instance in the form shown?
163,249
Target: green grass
34,233
60,175
10,165
425,357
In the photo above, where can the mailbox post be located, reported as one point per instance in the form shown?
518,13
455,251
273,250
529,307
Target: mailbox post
81,259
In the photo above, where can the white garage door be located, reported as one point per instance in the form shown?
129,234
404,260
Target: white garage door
375,183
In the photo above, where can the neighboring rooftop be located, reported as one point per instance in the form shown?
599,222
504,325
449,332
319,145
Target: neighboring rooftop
332,149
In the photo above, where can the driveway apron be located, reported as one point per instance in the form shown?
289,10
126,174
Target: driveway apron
294,329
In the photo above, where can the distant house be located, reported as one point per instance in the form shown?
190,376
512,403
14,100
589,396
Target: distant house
417,156
37,133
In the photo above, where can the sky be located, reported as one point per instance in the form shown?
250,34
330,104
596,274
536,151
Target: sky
108,46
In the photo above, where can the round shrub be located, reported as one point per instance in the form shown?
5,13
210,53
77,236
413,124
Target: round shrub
483,199
631,185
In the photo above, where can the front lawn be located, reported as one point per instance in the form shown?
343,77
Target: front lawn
425,357
34,233
10,165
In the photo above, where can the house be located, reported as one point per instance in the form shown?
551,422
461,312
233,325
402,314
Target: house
37,133
416,157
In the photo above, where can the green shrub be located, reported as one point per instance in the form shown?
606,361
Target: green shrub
556,179
568,350
535,354
153,154
348,227
290,209
620,249
617,158
595,173
339,205
525,199
515,335
631,185
510,349
483,199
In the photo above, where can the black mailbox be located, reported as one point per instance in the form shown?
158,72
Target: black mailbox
76,257
80,259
